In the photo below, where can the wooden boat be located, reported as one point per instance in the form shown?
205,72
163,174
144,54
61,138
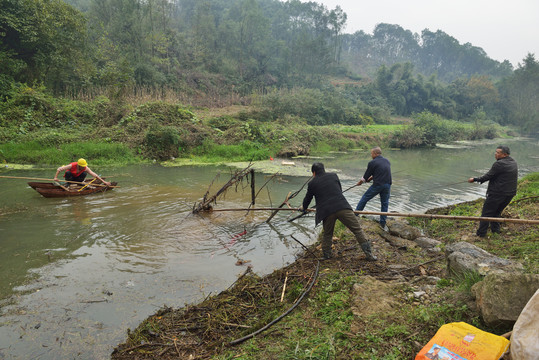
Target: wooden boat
51,190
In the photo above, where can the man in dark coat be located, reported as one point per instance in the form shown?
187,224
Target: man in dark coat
330,206
379,171
502,186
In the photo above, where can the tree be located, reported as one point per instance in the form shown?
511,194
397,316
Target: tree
337,21
481,93
392,44
47,36
520,95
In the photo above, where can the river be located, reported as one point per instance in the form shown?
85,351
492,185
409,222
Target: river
78,272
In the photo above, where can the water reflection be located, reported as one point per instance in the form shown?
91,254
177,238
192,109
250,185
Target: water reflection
78,272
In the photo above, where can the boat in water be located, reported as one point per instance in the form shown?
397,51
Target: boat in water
48,189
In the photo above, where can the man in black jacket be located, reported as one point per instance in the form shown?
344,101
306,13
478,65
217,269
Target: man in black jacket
330,206
502,186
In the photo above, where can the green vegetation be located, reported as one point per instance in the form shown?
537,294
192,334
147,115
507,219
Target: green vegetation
35,153
287,59
40,129
528,187
428,129
108,81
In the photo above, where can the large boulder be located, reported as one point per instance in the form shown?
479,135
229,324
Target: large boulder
398,242
403,230
428,243
464,257
501,297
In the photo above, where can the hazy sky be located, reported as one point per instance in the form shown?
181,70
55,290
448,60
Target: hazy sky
506,30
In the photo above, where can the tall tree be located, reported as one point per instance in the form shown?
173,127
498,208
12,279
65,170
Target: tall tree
47,36
520,95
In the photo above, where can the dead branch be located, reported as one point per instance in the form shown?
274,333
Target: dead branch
247,337
524,198
285,202
234,180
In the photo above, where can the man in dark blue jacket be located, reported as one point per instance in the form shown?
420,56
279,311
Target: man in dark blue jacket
379,171
502,186
332,205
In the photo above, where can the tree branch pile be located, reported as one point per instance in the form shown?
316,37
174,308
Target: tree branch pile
208,201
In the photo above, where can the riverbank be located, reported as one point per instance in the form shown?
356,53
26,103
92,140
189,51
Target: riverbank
112,133
355,309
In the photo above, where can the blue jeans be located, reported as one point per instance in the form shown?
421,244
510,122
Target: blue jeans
384,191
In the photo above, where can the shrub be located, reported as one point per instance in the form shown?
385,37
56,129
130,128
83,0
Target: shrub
410,136
223,122
162,142
245,150
317,107
433,127
164,113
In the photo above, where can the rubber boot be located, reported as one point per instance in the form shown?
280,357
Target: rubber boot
366,247
327,254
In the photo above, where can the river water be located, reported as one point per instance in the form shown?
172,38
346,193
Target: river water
78,272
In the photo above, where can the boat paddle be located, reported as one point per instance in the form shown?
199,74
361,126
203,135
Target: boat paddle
68,181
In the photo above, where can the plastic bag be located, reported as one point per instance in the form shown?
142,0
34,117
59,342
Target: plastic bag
525,336
461,341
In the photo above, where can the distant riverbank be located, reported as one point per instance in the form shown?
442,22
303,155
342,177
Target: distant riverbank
108,133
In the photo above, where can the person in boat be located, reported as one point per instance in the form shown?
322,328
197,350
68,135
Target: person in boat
331,205
502,186
76,171
379,171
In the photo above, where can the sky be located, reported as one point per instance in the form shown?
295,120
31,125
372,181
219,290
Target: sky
505,30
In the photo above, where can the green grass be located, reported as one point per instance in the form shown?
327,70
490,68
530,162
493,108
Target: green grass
528,187
244,151
33,152
367,129
465,281
515,241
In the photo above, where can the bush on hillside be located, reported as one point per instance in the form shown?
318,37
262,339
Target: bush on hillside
409,137
429,129
162,143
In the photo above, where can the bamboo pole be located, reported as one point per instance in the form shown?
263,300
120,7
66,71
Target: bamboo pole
253,196
428,216
63,187
94,179
68,181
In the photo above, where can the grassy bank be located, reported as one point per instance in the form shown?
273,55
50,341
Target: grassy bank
36,128
355,310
